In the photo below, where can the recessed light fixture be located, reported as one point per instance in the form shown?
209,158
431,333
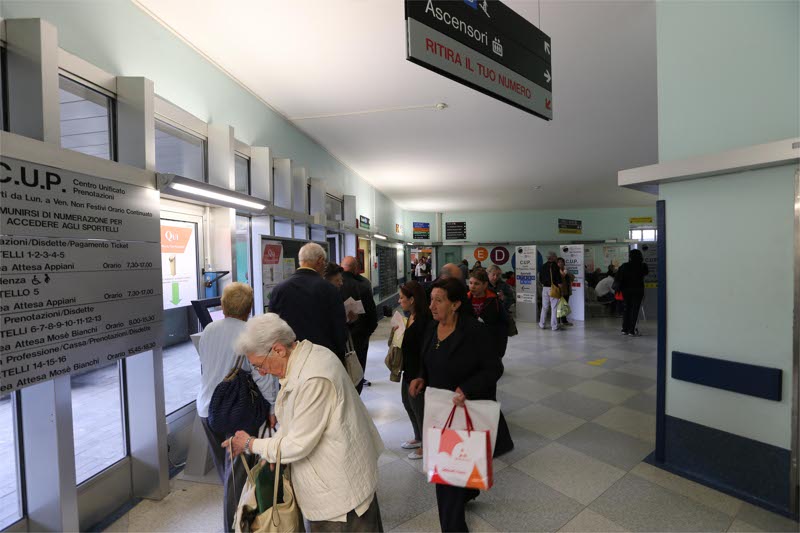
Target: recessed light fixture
379,236
538,187
441,106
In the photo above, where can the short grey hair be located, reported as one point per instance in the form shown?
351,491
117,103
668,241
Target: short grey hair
551,255
311,253
261,333
494,268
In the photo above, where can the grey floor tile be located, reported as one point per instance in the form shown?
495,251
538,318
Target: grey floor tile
644,368
629,421
629,381
589,521
518,502
643,402
638,505
558,379
581,369
545,421
577,405
525,443
603,362
429,521
603,391
765,520
402,494
528,389
509,402
612,447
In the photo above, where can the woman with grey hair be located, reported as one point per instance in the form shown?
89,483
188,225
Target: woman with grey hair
325,431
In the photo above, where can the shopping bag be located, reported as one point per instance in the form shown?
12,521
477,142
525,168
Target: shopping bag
485,414
352,364
563,310
459,457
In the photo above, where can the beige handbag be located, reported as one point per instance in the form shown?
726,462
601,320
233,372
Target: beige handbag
281,517
352,364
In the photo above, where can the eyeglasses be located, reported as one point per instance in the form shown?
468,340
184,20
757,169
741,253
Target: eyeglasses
260,365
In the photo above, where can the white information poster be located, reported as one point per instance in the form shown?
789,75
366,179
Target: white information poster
271,267
178,263
526,283
588,259
573,255
615,254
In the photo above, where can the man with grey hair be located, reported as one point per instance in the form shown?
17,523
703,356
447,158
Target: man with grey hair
361,327
550,276
310,305
504,292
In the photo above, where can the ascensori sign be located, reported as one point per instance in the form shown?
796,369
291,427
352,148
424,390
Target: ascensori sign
486,46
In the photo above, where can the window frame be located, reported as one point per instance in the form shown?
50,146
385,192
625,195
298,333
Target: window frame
112,108
182,133
239,155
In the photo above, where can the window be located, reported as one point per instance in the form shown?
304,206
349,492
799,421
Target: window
178,152
300,231
242,168
97,410
283,227
334,208
242,249
643,234
10,500
86,119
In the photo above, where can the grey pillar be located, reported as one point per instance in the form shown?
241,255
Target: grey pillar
144,372
48,445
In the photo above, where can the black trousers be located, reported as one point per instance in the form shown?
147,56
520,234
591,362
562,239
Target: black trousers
633,301
369,522
232,475
415,407
361,346
452,502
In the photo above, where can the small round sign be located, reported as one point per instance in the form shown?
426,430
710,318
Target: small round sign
481,253
500,255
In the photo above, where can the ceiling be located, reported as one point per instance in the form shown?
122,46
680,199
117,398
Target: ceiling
312,57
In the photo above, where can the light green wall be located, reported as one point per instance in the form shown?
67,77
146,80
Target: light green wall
119,38
727,74
542,225
726,301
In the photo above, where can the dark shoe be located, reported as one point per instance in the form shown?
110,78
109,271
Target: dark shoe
367,383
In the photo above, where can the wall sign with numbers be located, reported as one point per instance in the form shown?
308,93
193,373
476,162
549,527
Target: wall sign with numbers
80,272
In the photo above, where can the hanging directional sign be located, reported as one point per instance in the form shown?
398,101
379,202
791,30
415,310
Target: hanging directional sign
484,45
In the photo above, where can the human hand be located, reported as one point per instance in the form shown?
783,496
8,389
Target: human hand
415,387
236,443
459,398
351,316
273,420
394,328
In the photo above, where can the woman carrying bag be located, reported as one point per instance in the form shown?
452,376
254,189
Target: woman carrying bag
457,355
326,433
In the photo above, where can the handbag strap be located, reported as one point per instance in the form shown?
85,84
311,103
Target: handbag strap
450,419
278,479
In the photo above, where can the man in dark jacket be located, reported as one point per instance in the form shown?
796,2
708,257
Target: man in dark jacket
361,327
504,292
310,305
550,275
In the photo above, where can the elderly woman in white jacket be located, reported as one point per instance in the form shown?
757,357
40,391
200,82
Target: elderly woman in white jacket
325,433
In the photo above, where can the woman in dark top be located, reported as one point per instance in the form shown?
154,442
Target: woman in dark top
488,309
457,355
414,302
630,278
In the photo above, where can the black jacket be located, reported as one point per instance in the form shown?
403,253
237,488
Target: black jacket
413,339
472,365
630,277
496,320
358,287
550,273
313,308
506,290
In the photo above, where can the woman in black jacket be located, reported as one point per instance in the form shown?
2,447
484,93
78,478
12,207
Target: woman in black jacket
457,355
488,309
630,278
414,302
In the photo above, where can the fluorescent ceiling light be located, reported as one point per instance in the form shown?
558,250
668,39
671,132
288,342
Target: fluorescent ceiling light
379,236
216,196
410,243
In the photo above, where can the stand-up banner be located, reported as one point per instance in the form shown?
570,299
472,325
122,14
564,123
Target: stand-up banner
573,255
526,283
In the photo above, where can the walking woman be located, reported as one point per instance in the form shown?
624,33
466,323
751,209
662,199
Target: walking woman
457,355
414,302
630,277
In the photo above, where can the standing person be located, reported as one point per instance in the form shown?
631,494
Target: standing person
566,286
217,357
630,277
326,433
488,309
422,268
550,275
428,268
413,301
359,288
333,274
457,355
476,266
502,289
310,305
464,266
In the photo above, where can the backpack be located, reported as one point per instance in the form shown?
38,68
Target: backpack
237,403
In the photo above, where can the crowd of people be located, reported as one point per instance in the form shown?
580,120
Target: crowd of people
456,334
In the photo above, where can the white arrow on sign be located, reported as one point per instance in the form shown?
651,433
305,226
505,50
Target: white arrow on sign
547,47
547,76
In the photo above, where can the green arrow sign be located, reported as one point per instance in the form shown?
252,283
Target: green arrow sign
176,293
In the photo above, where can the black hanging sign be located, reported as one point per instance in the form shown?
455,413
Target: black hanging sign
455,231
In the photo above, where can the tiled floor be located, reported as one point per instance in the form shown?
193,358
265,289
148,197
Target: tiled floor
580,406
